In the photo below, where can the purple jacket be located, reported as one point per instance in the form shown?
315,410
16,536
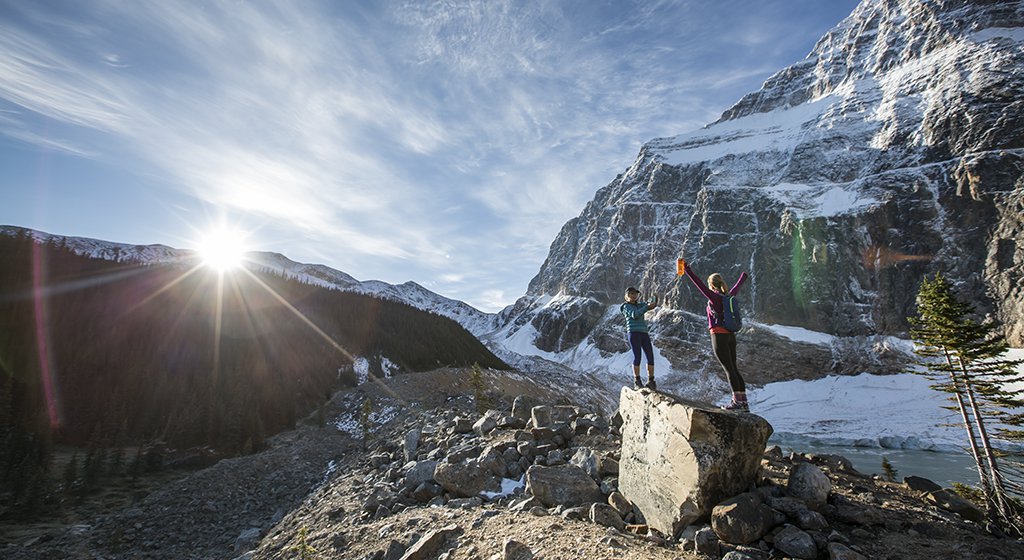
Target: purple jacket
714,298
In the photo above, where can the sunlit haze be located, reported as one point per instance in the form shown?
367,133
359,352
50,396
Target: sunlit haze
222,249
442,143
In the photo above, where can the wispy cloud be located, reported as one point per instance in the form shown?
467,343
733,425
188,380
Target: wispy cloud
413,137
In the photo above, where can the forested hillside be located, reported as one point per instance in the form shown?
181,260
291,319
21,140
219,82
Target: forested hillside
100,353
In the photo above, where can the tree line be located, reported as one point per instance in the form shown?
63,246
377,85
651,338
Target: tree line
101,354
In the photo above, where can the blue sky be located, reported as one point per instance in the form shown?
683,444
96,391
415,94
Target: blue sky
444,142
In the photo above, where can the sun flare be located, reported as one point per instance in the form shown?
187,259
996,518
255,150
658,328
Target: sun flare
222,250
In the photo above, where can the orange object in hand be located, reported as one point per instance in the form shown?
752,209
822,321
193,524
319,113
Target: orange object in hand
680,267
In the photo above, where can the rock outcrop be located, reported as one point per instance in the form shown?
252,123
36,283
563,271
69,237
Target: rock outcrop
894,150
679,459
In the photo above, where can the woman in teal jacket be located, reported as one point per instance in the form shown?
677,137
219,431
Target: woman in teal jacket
639,335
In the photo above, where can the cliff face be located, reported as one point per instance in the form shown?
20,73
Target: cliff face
894,150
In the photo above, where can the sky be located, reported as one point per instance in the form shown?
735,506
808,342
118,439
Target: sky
443,142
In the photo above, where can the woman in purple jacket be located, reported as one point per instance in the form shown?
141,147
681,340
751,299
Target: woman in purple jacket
723,341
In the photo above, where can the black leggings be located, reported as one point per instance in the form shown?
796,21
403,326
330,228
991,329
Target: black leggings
641,341
724,345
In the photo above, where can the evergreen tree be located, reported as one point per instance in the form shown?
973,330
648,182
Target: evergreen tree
888,471
364,420
70,477
6,397
965,358
91,471
135,468
476,381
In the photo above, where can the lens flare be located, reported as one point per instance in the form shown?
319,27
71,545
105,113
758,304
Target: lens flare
222,249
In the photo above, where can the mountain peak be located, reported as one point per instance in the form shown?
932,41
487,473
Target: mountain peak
877,37
893,150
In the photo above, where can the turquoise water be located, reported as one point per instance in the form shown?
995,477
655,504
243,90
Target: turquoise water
943,468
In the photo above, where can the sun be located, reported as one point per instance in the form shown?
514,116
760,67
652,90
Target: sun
222,249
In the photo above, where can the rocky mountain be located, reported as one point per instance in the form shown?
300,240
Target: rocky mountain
892,151
410,293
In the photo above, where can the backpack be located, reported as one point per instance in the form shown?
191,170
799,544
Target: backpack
732,317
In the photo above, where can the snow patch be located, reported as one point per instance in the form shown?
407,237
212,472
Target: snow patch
362,369
389,367
508,487
1015,34
350,424
775,131
800,334
824,200
894,411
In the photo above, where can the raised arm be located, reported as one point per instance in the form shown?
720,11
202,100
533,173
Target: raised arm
653,303
696,280
632,311
736,287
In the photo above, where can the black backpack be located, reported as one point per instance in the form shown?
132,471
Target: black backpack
732,317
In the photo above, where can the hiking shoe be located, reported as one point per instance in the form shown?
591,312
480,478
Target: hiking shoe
737,406
652,385
637,384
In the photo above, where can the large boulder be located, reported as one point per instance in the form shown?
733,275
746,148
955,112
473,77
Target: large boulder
420,472
807,482
465,480
565,485
949,500
742,519
680,458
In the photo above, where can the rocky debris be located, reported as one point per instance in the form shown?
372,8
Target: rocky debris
375,505
680,458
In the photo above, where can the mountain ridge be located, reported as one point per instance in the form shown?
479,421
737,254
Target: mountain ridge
410,293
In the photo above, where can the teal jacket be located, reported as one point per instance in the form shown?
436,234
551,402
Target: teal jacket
634,314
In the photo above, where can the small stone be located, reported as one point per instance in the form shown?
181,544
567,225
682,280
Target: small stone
613,542
574,514
515,550
838,551
706,542
796,543
463,425
604,514
620,503
737,555
811,521
430,544
807,482
485,425
394,551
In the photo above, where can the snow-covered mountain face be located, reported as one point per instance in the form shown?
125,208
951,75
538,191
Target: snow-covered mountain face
894,150
410,293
